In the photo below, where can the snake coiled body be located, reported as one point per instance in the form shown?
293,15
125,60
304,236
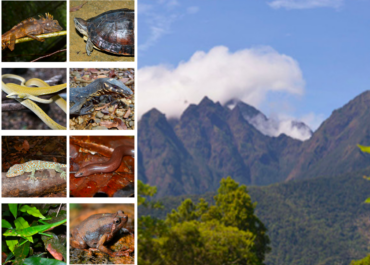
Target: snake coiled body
27,95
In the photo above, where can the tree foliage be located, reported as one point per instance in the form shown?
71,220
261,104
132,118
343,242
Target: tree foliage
365,261
365,149
226,233
316,221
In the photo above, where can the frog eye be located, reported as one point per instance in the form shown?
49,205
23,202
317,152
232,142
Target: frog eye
117,220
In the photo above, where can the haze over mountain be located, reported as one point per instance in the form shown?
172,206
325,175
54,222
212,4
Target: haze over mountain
274,127
210,141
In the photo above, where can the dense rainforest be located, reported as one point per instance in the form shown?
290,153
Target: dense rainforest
317,221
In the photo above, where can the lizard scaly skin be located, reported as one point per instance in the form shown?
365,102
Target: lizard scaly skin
32,166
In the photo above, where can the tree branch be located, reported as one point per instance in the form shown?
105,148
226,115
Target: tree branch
41,36
48,55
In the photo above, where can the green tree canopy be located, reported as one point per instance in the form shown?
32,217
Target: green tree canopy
225,233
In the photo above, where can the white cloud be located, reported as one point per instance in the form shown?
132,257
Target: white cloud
305,4
159,17
144,8
247,75
169,3
277,126
192,9
159,26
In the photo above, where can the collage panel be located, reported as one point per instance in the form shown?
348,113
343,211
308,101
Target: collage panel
34,31
102,99
34,166
102,234
34,233
102,166
34,98
102,31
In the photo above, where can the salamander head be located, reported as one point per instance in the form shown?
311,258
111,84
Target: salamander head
15,170
81,26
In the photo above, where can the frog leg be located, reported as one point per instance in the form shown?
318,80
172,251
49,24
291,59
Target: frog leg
89,46
32,177
102,248
59,170
78,244
34,37
12,42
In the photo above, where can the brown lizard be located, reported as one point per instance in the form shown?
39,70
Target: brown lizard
29,28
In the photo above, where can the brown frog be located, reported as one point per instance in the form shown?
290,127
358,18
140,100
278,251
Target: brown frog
98,229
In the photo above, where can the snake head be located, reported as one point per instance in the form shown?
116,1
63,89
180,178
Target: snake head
16,95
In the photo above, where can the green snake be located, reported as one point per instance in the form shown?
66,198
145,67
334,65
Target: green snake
26,95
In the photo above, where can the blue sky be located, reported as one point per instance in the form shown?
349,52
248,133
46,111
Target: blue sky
314,54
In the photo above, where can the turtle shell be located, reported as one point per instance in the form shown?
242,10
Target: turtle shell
113,31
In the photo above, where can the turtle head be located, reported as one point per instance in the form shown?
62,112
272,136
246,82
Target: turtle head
81,26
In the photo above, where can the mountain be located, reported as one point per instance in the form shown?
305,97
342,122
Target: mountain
332,149
274,127
210,141
320,221
164,161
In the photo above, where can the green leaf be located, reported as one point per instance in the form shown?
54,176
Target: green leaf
21,253
32,211
5,224
367,200
20,223
13,209
9,257
11,243
365,149
42,261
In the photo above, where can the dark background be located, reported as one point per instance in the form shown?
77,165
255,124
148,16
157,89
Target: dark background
14,12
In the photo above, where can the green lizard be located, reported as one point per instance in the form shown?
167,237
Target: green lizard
28,232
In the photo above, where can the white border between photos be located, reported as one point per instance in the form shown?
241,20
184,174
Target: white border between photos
68,132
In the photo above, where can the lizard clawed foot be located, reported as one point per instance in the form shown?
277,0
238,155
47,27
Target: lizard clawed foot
33,178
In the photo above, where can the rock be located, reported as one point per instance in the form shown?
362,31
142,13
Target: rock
120,113
80,120
99,115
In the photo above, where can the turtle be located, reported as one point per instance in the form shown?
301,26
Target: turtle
111,31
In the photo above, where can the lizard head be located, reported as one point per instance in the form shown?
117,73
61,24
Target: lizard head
10,232
50,25
15,170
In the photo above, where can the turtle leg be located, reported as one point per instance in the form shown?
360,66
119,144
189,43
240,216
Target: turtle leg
34,37
12,42
89,46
